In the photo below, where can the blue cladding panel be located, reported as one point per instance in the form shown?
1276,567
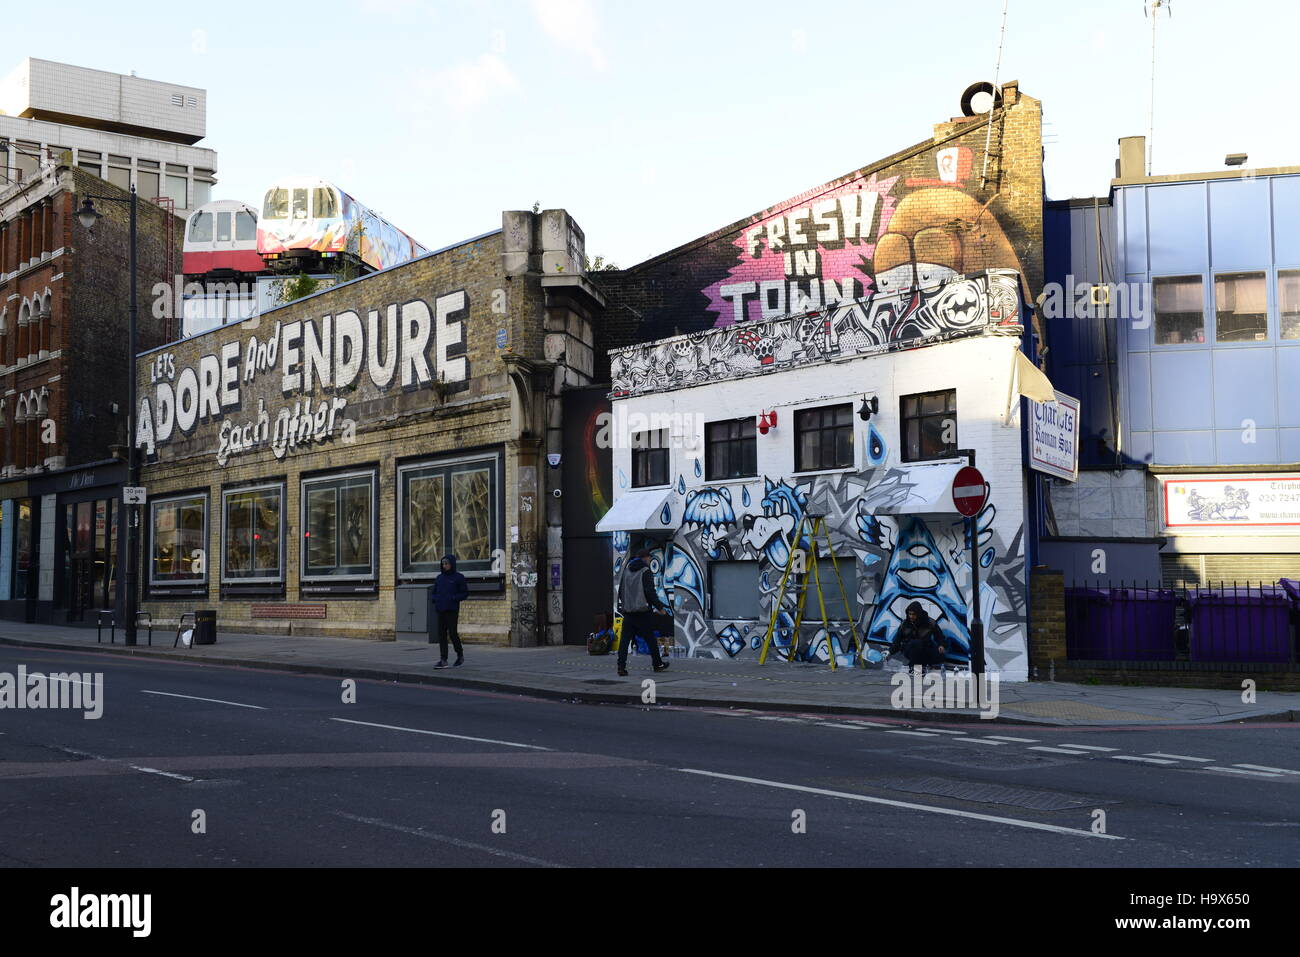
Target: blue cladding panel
1133,203
1137,319
1181,391
1289,439
1244,388
1178,228
1239,223
1140,447
1234,449
1288,386
1184,448
1286,220
1138,401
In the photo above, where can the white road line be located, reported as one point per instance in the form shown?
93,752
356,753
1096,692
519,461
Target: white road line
996,744
442,734
867,724
952,812
942,731
1254,774
915,734
190,697
772,717
75,681
1128,757
166,774
1260,767
842,727
1057,751
443,839
1088,747
1003,737
1179,757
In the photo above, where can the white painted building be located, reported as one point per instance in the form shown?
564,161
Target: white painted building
125,129
704,478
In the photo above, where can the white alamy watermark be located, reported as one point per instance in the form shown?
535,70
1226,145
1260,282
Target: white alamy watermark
76,691
939,691
621,429
1081,299
75,909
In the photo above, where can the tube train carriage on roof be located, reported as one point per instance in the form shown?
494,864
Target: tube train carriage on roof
306,223
221,241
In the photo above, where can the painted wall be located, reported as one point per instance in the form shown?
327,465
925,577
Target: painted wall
897,558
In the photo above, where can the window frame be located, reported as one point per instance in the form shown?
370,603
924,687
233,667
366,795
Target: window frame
446,467
904,419
202,581
714,614
638,450
304,529
731,443
1207,315
1279,273
802,467
226,495
1263,276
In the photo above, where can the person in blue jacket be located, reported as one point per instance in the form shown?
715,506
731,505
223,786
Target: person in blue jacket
445,594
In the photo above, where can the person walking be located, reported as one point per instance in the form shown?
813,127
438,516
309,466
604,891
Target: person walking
639,603
445,595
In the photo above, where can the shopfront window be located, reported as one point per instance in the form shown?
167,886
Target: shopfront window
251,544
24,557
449,507
338,527
179,529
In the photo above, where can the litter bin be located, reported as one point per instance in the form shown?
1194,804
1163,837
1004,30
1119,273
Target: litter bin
205,627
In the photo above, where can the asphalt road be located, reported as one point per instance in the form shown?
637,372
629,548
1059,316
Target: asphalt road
281,771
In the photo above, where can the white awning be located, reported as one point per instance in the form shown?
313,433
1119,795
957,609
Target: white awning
926,490
642,510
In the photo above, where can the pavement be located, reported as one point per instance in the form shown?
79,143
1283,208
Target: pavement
569,673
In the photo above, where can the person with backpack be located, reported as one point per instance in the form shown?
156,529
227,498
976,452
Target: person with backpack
919,640
445,595
638,601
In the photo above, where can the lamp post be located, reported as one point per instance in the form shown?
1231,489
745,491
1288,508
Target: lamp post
87,215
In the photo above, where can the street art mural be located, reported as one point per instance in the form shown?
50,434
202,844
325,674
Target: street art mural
881,323
891,561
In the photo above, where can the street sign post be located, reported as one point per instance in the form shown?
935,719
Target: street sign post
970,493
133,495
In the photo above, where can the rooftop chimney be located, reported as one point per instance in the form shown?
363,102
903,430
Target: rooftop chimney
1132,157
1235,159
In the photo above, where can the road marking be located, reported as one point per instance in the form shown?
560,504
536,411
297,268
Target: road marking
952,812
1179,757
133,767
772,717
1002,737
1127,757
190,697
166,774
1058,751
842,727
868,724
442,734
75,681
1088,747
942,731
915,734
1255,774
443,839
1260,767
996,744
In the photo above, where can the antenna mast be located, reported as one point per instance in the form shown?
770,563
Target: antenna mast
1151,112
997,71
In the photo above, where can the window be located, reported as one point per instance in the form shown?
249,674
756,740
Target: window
929,426
254,532
338,527
176,189
202,193
323,200
245,226
300,204
24,570
650,458
733,590
732,449
119,177
223,227
824,438
146,184
1288,302
201,228
449,507
90,160
276,205
1240,307
180,533
27,160
1180,309
831,594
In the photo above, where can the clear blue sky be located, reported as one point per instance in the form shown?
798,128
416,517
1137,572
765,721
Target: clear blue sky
655,122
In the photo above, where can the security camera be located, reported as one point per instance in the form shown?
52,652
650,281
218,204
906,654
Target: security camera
558,493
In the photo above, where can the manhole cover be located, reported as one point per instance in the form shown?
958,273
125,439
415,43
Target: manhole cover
988,793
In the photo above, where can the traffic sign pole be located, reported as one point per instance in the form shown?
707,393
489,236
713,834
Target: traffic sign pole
970,493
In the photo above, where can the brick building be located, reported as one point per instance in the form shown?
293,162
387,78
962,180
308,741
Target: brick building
63,369
307,468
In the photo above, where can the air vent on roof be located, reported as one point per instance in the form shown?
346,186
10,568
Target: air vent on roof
192,101
178,100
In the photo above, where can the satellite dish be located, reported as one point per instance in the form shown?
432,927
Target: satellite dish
980,98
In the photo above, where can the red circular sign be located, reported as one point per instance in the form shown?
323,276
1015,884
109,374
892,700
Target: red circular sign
969,491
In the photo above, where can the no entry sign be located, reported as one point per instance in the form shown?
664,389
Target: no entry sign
969,491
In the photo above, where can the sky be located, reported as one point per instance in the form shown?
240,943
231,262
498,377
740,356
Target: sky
657,122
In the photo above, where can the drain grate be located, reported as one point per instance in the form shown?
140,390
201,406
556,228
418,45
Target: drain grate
988,793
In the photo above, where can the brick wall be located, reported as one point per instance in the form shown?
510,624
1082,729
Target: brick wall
1046,622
